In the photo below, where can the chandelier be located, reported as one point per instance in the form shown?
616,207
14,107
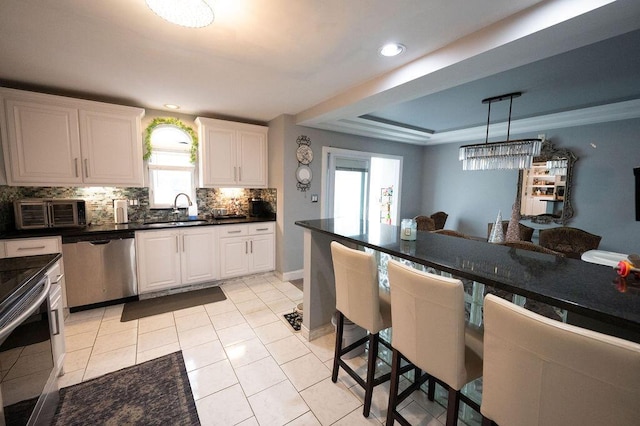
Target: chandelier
557,167
509,154
188,13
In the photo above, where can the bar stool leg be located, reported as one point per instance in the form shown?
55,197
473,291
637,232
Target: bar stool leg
336,357
393,387
371,373
431,389
453,404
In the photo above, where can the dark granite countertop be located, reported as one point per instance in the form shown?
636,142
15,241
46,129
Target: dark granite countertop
16,273
588,289
126,230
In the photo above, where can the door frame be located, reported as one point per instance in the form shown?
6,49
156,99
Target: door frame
326,180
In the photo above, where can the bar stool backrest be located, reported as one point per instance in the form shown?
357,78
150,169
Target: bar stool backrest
427,312
538,371
357,288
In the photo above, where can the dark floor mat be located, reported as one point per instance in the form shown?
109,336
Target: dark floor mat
172,302
294,319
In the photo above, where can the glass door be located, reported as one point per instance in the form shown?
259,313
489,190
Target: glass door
360,185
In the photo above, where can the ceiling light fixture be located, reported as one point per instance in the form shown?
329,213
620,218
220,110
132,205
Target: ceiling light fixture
188,13
172,106
392,49
509,154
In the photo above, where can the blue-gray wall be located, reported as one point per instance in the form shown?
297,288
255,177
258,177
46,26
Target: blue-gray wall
432,180
603,184
295,205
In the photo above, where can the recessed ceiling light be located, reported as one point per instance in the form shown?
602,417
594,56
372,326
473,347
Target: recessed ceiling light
188,13
392,49
172,106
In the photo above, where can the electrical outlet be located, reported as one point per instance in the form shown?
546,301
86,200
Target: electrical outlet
314,198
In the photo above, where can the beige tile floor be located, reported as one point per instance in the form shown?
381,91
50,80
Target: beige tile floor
246,365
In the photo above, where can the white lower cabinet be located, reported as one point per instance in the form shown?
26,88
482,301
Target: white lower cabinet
34,246
175,257
246,249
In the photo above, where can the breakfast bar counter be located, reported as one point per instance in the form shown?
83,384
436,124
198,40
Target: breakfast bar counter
594,295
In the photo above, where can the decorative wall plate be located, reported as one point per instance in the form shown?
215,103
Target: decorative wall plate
304,175
304,154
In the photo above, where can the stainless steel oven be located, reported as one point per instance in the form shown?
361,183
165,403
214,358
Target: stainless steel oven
29,390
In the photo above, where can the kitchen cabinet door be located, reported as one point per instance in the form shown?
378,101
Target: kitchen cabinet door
252,159
42,143
198,256
111,148
218,155
234,259
158,260
262,252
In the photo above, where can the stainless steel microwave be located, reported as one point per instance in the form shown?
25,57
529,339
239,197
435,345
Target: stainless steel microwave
40,213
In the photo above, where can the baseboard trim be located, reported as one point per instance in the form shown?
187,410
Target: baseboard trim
317,332
291,275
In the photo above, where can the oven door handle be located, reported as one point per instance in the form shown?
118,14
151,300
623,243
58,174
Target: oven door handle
7,329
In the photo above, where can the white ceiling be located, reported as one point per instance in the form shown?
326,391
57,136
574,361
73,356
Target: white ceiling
316,59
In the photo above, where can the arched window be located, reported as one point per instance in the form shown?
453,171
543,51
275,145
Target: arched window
171,169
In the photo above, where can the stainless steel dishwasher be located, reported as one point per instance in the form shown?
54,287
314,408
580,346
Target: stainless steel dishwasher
99,268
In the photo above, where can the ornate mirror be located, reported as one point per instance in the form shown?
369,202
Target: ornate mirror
544,190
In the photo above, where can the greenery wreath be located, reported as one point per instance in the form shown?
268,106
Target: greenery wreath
174,122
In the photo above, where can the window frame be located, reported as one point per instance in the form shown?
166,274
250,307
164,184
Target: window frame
153,168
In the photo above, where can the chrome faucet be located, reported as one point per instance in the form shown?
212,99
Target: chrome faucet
176,211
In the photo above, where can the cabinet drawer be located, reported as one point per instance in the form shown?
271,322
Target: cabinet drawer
32,246
233,230
55,273
262,228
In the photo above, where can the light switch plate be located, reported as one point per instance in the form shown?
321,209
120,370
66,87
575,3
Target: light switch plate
314,198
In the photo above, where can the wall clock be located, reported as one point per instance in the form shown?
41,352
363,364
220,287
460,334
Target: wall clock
304,155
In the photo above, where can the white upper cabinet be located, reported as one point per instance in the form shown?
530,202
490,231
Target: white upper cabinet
112,148
232,154
52,140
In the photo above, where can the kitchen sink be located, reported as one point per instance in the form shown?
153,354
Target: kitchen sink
175,223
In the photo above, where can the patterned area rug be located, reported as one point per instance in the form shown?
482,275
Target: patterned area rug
156,392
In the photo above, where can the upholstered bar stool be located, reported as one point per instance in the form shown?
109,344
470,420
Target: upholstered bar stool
430,332
360,299
543,372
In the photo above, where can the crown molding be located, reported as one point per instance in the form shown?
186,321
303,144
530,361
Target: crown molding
580,117
363,126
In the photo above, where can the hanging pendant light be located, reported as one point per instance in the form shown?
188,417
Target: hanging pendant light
188,13
509,154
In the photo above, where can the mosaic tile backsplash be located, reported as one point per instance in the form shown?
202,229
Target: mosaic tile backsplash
100,202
